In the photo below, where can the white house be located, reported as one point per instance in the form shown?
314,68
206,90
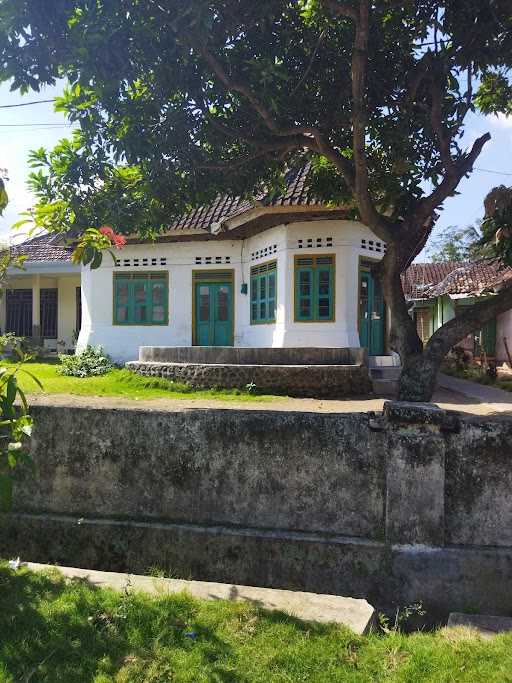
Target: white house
286,272
43,299
281,272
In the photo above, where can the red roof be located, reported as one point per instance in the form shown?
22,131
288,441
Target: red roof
223,207
419,277
474,279
48,247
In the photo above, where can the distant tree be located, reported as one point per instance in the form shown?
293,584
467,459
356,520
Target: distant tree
497,223
178,101
4,199
458,244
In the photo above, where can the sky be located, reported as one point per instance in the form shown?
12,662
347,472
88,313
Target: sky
30,127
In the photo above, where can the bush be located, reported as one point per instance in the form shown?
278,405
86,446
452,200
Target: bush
92,361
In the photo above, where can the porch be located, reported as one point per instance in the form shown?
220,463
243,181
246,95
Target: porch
43,307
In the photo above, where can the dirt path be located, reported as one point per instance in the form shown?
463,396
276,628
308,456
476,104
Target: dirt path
444,398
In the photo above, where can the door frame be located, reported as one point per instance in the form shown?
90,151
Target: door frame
196,280
364,266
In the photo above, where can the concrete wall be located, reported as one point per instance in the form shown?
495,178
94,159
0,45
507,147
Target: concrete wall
181,259
411,505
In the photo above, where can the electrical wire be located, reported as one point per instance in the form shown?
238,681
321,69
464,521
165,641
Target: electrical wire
488,170
31,125
25,104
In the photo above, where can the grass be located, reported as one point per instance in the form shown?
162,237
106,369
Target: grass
57,631
120,382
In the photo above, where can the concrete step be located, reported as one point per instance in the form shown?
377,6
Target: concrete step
355,613
389,360
486,625
387,388
385,373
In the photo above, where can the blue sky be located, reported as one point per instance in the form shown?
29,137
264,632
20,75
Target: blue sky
17,140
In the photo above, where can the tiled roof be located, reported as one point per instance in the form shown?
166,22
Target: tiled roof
419,277
473,279
224,207
44,248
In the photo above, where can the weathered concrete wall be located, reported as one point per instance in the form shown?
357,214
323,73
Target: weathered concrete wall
411,505
318,381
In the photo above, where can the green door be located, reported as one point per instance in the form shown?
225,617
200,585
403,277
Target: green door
213,314
371,314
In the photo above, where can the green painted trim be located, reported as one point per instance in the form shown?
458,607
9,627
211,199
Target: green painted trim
196,279
314,270
146,277
263,271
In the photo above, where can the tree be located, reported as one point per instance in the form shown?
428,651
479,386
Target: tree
179,101
459,244
15,422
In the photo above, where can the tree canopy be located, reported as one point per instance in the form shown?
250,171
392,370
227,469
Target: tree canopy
180,101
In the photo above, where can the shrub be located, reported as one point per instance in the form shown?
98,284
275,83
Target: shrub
91,361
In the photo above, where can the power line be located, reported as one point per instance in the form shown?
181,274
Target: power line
31,125
25,104
488,170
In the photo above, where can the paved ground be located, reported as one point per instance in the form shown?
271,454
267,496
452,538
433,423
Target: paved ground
452,394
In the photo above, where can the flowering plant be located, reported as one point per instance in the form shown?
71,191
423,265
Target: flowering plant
92,243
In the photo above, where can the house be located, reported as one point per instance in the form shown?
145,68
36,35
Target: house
284,271
43,301
438,291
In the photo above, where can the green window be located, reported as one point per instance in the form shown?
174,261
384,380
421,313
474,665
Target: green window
314,288
141,299
263,293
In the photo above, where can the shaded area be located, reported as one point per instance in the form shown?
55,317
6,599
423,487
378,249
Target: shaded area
52,631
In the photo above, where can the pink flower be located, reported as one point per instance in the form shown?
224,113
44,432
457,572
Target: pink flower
117,240
107,231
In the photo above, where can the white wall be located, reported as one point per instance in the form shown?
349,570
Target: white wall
281,243
503,330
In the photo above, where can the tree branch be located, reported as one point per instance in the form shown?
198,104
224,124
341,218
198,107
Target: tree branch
341,10
266,150
311,136
310,65
452,332
446,187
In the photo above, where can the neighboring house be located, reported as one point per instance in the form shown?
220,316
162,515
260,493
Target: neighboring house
283,271
42,300
437,291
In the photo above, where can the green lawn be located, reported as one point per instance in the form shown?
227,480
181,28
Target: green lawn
53,631
119,383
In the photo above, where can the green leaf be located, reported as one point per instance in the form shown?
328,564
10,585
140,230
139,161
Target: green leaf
33,377
96,262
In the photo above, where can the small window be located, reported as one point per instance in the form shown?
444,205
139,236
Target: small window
314,288
263,293
141,299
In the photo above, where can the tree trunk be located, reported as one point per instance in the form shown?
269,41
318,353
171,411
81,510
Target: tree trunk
418,378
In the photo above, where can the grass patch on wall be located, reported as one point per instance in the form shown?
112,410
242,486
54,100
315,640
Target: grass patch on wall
120,382
58,631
